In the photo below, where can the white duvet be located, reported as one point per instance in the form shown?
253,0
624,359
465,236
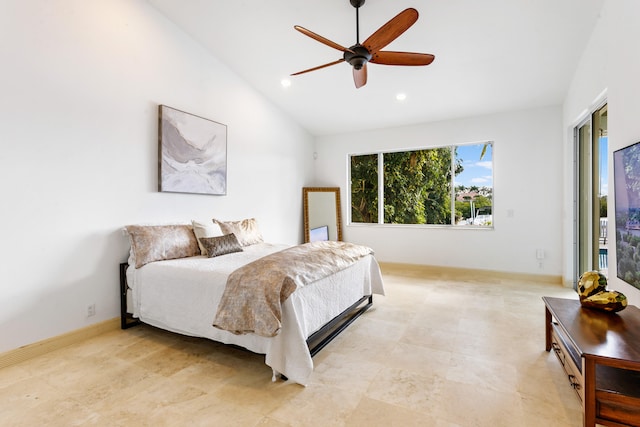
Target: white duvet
182,296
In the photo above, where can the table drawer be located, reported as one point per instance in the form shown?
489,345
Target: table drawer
570,365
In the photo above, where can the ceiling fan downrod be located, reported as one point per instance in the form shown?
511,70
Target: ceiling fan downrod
357,4
358,55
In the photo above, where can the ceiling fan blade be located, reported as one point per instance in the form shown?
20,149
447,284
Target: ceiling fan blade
391,30
402,58
319,67
321,39
360,76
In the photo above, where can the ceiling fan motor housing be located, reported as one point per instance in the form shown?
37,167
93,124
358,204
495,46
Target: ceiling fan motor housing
357,56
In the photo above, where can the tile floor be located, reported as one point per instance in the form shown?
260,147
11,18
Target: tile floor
438,350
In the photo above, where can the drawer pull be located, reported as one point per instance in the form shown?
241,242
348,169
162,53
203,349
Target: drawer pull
575,384
556,348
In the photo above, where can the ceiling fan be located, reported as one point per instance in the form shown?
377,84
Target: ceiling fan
370,51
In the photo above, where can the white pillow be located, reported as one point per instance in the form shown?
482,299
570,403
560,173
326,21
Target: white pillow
205,229
247,230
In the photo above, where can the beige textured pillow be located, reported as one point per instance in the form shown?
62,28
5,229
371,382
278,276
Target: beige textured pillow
221,245
159,242
205,229
246,231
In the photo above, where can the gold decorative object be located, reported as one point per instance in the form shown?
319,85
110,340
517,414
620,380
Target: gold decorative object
592,289
611,301
590,283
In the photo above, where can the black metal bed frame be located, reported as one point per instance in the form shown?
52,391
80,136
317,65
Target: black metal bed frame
316,341
126,319
323,336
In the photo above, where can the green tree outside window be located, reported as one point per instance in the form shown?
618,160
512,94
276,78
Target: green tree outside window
417,188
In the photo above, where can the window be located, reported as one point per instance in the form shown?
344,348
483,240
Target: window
364,188
450,185
590,194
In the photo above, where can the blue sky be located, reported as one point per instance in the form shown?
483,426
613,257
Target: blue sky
604,166
476,172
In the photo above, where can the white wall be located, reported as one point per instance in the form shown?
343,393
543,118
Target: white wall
81,82
609,64
587,91
528,167
624,101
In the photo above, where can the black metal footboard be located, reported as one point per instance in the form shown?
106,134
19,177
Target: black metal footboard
319,339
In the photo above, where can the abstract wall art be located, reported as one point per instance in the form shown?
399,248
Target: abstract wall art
193,153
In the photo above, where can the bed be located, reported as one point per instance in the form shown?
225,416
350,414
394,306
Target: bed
183,294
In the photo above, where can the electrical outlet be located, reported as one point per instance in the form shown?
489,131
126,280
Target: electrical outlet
91,310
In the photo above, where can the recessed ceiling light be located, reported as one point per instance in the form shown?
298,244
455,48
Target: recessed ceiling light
401,96
285,82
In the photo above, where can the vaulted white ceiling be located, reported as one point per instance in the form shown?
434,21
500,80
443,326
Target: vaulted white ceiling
491,55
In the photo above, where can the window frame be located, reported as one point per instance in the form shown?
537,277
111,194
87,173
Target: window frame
452,224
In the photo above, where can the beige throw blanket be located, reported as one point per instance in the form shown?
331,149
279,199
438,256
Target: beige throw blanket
252,300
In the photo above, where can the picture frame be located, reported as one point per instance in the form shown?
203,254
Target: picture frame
192,153
626,165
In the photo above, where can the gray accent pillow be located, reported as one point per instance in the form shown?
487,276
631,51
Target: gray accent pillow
205,229
221,245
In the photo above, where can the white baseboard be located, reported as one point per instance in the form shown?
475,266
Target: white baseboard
398,268
39,348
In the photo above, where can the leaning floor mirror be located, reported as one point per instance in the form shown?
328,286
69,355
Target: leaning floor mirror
322,219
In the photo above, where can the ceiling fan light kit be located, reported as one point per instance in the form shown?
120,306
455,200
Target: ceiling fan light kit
359,55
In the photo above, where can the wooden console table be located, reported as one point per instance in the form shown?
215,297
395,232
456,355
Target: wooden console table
601,354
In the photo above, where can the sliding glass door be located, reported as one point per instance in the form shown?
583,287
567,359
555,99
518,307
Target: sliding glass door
591,187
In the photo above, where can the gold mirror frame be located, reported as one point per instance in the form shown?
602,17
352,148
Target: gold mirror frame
334,223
